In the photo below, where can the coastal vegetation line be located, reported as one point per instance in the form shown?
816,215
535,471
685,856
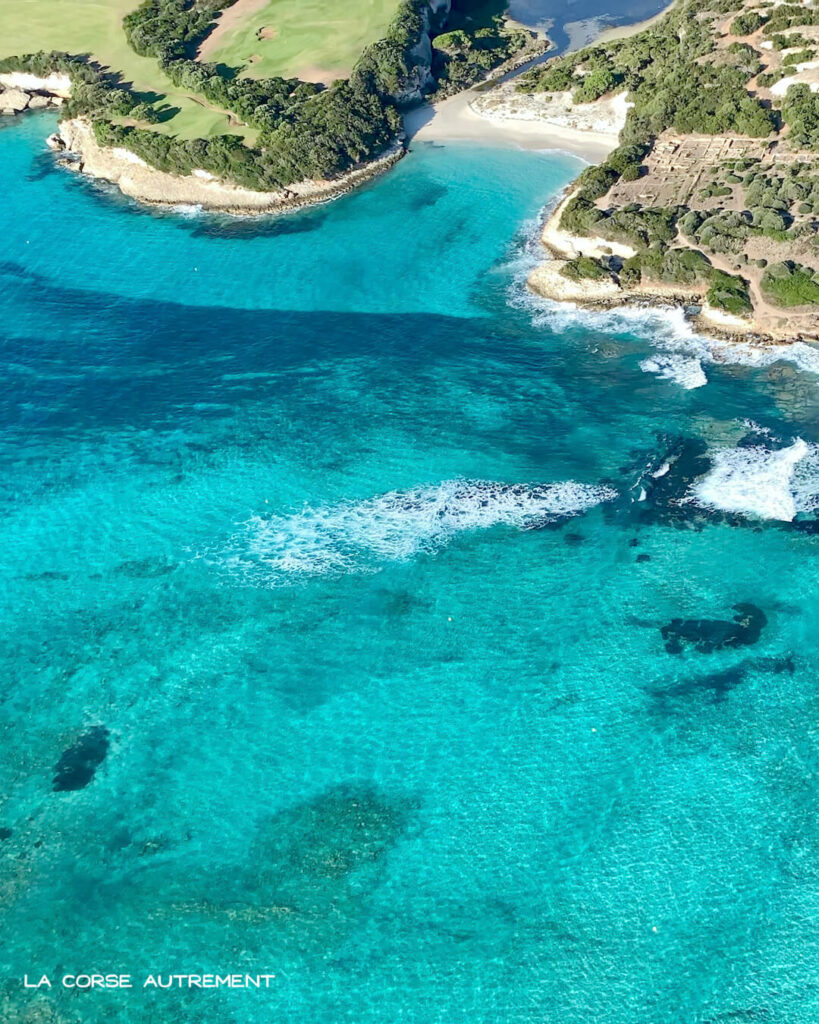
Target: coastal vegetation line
287,130
712,195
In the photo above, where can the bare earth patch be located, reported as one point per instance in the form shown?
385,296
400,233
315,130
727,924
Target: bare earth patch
267,32
323,75
229,19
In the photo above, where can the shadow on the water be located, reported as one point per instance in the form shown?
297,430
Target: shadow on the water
42,166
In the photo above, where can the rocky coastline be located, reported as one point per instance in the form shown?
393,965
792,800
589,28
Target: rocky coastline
548,281
80,152
20,91
138,180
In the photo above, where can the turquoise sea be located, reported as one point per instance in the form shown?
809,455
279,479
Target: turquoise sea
367,623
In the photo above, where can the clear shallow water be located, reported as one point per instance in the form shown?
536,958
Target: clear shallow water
577,22
338,536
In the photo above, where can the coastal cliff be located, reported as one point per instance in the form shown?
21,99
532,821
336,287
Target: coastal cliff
75,139
710,200
419,80
138,180
553,279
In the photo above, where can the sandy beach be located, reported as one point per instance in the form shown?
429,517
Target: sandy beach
456,119
466,117
626,31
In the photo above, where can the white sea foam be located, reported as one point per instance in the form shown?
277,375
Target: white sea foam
763,483
359,535
680,354
685,370
188,209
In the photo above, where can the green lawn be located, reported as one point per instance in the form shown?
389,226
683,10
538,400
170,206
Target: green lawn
95,27
311,39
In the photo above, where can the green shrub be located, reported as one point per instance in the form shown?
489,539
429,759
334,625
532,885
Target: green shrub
800,109
800,57
584,268
791,284
729,293
747,23
631,271
676,266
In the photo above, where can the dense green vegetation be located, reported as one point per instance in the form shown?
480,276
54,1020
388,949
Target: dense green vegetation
674,79
791,284
790,16
670,266
747,23
800,109
719,231
304,130
584,268
170,29
688,268
668,80
464,54
783,42
466,46
326,135
794,184
730,293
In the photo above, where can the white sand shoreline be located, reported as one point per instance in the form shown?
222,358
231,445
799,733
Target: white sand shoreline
609,35
456,120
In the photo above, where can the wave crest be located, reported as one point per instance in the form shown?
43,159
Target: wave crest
761,482
360,535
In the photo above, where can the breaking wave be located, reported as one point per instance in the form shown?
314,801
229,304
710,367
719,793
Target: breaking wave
763,483
360,535
680,354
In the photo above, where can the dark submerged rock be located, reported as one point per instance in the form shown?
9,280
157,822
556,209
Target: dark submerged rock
643,558
707,635
776,666
718,685
573,539
5,833
145,568
659,486
78,764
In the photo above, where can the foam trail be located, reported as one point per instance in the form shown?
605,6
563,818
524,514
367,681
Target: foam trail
359,535
762,483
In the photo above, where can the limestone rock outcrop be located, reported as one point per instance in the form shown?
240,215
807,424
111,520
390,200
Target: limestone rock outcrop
12,101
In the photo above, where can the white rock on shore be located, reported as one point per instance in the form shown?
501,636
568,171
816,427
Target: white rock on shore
140,181
548,281
56,84
12,101
605,116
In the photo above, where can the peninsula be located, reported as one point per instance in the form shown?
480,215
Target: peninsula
710,199
239,105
